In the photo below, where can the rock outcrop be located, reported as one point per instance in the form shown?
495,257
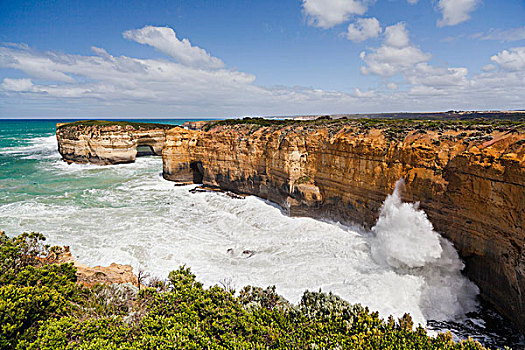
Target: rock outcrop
89,276
469,179
100,142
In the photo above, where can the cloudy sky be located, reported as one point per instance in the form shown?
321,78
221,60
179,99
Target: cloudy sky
192,58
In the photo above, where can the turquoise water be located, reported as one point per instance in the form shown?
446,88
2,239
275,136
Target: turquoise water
28,159
129,214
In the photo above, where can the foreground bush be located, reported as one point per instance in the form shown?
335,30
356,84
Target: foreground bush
41,307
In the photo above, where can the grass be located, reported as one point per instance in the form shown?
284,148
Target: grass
303,180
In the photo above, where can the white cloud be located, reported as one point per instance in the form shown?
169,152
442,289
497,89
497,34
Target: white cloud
392,86
514,34
364,94
18,85
108,77
437,77
139,86
396,55
328,13
165,40
422,91
488,68
455,11
397,35
412,2
105,85
102,53
387,61
37,67
512,59
363,28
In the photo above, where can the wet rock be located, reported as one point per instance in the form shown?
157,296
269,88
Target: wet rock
248,253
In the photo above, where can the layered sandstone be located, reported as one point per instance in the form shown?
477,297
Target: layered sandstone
109,142
470,180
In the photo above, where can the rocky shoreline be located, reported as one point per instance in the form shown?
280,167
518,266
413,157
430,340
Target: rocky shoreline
469,177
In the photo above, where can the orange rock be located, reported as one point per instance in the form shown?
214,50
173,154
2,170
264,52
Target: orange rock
111,144
88,276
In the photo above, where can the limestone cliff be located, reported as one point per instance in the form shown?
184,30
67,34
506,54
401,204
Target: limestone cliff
109,142
469,178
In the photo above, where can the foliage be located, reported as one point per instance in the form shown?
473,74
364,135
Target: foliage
253,121
397,124
123,123
31,290
41,307
256,297
303,180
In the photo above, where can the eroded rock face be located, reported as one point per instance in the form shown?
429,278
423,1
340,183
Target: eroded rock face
89,276
109,144
470,181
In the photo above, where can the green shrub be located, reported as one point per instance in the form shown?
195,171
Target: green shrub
122,123
22,307
256,297
30,289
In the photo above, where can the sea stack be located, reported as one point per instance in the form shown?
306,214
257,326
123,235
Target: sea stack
108,142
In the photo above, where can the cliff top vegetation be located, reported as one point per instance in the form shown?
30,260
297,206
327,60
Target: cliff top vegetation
135,125
42,307
397,123
380,123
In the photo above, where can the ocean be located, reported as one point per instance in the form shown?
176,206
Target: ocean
129,214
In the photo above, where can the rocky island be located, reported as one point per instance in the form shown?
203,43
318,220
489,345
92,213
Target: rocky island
468,175
108,142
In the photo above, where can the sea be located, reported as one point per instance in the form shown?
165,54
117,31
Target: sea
128,214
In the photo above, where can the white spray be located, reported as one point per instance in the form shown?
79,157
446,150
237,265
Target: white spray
406,241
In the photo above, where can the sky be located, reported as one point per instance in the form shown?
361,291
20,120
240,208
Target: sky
220,59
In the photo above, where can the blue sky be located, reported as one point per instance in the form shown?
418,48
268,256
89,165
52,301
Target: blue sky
233,58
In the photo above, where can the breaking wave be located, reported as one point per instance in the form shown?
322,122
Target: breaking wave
406,241
44,147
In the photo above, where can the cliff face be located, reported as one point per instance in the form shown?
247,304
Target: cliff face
470,180
109,143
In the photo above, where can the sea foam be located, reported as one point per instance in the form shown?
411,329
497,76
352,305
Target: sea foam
44,147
